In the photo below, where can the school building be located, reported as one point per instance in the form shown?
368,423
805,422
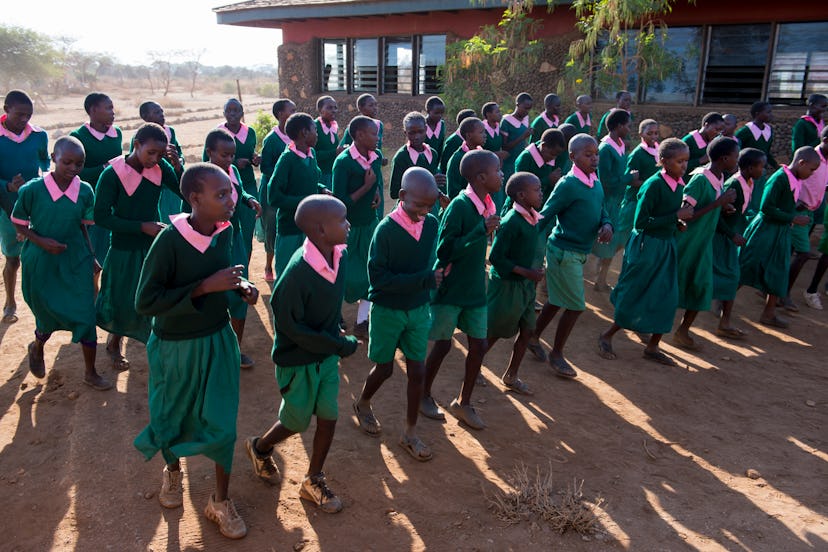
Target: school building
733,52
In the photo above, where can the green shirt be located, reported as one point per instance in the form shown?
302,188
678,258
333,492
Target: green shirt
27,158
493,143
746,140
642,161
539,126
272,148
731,224
400,268
656,208
461,243
437,140
696,153
402,162
580,214
98,153
348,177
509,133
573,120
778,204
293,180
451,145
612,172
455,183
514,245
244,150
804,133
306,310
325,149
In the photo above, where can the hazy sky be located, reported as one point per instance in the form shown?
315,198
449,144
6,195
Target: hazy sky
128,29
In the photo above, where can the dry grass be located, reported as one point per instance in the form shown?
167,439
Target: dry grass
533,497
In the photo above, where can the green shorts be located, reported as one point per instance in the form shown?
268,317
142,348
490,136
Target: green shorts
9,245
306,390
389,329
511,307
801,235
565,278
445,318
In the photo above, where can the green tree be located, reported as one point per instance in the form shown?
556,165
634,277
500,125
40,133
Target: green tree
263,124
27,58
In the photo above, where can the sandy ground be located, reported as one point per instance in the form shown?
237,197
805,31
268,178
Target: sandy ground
668,449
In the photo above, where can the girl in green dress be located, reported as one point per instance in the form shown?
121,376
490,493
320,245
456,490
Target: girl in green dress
711,126
435,109
170,203
758,134
52,213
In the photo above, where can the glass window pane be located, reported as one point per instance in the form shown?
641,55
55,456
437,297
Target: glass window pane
432,57
366,69
800,63
334,63
736,63
684,43
399,67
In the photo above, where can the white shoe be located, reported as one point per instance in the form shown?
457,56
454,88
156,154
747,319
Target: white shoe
172,494
813,300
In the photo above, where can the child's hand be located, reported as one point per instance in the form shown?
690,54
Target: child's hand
440,179
15,183
636,179
248,292
256,160
502,154
225,279
729,209
534,274
370,178
152,228
681,226
256,206
444,200
554,176
376,201
52,246
384,161
492,224
801,220
685,213
438,276
738,240
727,197
242,163
340,149
605,234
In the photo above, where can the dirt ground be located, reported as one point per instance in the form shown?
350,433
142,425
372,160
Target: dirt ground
668,449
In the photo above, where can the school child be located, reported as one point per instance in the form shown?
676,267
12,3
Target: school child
548,118
807,129
272,147
581,119
623,101
52,213
539,158
368,107
577,204
357,182
151,112
473,132
402,276
193,354
307,343
327,138
126,204
704,192
23,156
435,108
644,158
729,237
615,181
221,149
821,174
296,176
417,153
811,197
454,141
563,161
646,295
764,260
729,130
515,130
491,122
245,161
697,141
102,141
759,134
515,271
460,301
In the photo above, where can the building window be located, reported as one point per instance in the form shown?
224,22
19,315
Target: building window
736,62
398,73
366,67
685,44
800,63
432,57
334,65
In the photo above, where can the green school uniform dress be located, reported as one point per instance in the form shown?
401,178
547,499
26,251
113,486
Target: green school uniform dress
530,160
751,136
99,148
765,259
511,128
407,157
494,140
695,245
436,138
542,123
123,201
602,124
272,147
451,145
582,125
510,299
805,132
169,204
698,149
25,154
58,288
612,167
725,252
646,295
327,141
455,183
192,352
296,177
348,176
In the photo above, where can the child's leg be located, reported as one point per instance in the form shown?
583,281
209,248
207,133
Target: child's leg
797,263
113,349
682,334
727,309
769,312
37,365
605,342
435,358
653,352
415,370
222,484
221,510
276,434
362,407
518,352
474,359
603,271
314,486
322,440
556,358
10,282
91,376
821,268
238,327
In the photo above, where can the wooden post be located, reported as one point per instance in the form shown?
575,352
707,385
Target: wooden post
238,91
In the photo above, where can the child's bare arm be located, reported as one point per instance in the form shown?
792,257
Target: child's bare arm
47,244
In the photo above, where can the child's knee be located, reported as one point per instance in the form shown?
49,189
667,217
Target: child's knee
477,346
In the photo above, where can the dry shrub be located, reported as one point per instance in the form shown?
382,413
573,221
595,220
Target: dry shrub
533,497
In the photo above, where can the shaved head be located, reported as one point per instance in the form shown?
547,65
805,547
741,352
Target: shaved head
419,181
315,210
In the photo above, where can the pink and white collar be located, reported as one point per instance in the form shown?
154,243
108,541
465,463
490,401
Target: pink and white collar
314,257
16,138
651,150
414,154
168,132
130,178
111,132
434,133
671,182
537,157
330,131
292,147
584,122
747,190
515,122
485,208
531,216
714,181
588,180
699,139
492,132
359,158
72,192
199,241
414,229
796,184
551,123
241,135
620,149
819,125
282,136
757,132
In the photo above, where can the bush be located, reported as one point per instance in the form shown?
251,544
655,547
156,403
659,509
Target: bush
268,90
263,124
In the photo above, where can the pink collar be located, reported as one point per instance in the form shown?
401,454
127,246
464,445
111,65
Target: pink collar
757,132
620,149
234,195
819,125
457,132
671,182
199,241
747,190
699,139
168,132
531,216
515,122
489,130
796,184
292,147
588,180
436,132
241,135
536,155
414,154
714,181
584,122
551,123
110,132
465,147
414,229
359,158
651,150
72,192
330,131
485,208
16,138
282,136
312,256
378,123
130,178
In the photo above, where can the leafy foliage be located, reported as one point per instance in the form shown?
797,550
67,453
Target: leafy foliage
263,124
26,57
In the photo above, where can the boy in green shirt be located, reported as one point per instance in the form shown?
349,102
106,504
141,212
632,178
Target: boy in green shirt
453,142
581,119
473,134
416,152
623,101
